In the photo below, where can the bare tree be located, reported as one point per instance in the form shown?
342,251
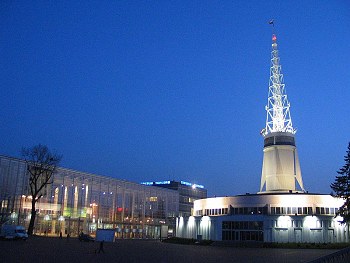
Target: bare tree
41,165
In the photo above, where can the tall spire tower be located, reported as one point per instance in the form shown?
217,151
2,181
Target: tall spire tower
281,169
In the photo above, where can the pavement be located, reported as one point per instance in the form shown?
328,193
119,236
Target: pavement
48,249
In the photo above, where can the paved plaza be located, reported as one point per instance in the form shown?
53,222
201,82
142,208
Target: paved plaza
46,249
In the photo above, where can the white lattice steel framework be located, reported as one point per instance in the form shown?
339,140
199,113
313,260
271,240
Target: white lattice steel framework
278,117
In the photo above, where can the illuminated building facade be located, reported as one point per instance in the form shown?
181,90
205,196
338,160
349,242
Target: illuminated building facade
270,217
282,211
188,193
78,201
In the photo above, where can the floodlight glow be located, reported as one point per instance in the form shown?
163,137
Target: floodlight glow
283,221
205,219
181,221
310,221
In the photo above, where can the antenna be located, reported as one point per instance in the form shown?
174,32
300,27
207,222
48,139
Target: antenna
272,22
278,117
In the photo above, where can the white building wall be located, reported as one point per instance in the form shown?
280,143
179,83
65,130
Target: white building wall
313,228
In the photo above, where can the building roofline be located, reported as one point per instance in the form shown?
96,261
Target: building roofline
81,173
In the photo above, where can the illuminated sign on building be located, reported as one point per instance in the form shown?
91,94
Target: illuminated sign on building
156,183
162,182
147,183
169,182
192,185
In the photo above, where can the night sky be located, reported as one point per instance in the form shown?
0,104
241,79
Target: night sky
162,90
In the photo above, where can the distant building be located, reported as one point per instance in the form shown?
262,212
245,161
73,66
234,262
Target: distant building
282,211
78,201
188,193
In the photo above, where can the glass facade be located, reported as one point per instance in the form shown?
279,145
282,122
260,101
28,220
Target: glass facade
78,201
243,230
188,193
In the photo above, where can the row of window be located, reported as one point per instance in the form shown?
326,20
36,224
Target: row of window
264,211
247,225
259,225
291,211
242,235
212,212
326,210
233,211
300,223
248,210
303,211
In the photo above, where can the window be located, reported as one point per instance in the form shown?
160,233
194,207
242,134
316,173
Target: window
225,225
318,211
309,210
283,210
265,210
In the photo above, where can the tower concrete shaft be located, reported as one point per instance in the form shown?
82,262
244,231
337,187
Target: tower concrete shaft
281,169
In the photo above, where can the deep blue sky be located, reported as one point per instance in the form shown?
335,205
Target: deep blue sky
154,90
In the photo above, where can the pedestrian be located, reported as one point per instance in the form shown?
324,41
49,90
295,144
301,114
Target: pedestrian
101,247
60,234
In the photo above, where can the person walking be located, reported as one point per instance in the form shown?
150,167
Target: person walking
101,247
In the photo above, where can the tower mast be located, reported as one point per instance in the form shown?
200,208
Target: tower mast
278,117
281,169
